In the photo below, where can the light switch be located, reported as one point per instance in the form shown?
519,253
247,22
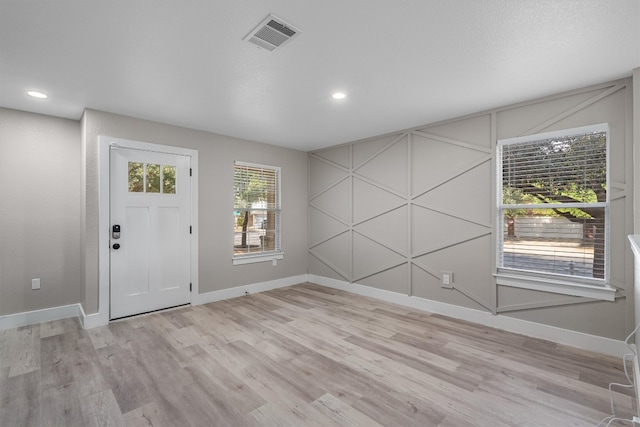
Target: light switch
447,279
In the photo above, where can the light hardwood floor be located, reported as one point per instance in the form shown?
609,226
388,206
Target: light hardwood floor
299,356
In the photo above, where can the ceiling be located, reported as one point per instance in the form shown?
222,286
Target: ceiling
402,64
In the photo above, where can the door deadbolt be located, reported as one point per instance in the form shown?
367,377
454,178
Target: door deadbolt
115,232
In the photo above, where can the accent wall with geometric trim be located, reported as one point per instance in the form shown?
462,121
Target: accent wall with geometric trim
393,212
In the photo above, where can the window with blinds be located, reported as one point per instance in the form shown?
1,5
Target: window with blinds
256,209
553,205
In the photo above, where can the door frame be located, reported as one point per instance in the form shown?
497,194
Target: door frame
104,211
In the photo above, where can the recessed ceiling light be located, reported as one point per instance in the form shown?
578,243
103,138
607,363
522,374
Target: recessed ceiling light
37,94
339,95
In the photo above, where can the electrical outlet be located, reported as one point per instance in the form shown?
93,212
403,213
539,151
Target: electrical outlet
274,262
447,279
35,284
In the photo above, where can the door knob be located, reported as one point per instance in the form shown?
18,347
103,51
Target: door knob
116,246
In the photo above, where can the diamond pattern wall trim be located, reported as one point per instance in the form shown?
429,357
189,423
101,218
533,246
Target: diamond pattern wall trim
393,212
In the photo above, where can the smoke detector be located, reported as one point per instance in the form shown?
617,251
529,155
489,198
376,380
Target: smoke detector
272,33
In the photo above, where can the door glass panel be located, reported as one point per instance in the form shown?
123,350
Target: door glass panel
153,178
156,182
168,179
136,177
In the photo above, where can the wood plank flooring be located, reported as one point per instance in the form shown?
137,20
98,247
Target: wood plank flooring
298,356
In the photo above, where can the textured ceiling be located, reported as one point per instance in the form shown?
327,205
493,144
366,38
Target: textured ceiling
403,63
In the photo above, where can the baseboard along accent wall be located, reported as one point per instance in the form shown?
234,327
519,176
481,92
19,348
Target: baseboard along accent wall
398,211
532,329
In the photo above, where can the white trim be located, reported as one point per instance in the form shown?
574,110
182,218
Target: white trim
243,258
104,143
89,321
38,316
251,289
250,259
556,205
532,329
103,231
561,336
556,286
599,127
636,382
256,165
635,245
563,286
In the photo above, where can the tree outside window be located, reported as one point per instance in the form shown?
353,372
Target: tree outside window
554,204
256,209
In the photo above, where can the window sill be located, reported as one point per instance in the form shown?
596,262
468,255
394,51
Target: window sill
250,259
605,293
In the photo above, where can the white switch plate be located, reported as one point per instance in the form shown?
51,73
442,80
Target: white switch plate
35,284
447,279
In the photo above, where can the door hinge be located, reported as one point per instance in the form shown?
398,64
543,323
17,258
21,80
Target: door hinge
190,287
190,229
190,172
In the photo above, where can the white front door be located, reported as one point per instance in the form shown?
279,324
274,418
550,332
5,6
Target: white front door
150,231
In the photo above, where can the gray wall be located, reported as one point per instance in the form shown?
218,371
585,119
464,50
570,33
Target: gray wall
381,211
216,156
393,212
40,211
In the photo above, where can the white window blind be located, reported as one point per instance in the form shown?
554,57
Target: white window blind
256,209
553,204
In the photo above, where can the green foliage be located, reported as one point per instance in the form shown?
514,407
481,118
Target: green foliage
168,179
153,178
249,186
564,170
157,175
136,177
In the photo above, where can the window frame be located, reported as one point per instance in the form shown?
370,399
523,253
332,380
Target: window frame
264,256
553,282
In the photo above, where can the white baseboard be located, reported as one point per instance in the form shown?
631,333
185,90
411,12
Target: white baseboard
536,330
89,321
532,329
38,316
252,289
94,320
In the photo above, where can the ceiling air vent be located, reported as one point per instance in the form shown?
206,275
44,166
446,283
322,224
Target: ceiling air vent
272,33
